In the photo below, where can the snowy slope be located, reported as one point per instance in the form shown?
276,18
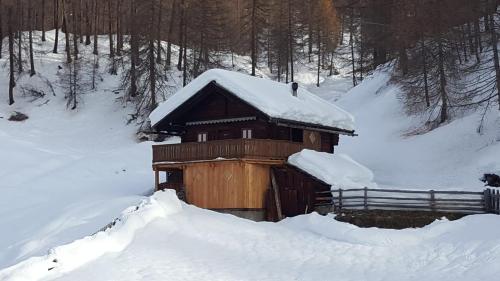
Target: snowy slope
453,156
164,239
65,174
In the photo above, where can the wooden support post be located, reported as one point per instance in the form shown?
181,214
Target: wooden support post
497,202
277,199
157,180
433,201
340,199
487,201
366,198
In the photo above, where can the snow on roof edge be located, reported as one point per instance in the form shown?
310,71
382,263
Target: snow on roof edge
337,170
306,108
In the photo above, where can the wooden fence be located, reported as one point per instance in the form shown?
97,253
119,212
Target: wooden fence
470,202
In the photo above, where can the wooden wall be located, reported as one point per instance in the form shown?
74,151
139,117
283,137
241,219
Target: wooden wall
297,190
226,184
215,103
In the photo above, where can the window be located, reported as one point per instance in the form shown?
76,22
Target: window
247,133
297,135
202,137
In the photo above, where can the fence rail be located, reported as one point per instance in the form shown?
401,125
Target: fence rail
487,201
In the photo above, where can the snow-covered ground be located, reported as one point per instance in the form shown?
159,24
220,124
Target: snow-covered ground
65,174
167,240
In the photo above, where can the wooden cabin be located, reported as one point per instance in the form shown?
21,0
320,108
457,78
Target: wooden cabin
237,132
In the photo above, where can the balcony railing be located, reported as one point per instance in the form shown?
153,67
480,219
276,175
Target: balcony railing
229,149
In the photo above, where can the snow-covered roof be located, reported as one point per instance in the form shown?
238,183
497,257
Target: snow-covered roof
272,98
337,170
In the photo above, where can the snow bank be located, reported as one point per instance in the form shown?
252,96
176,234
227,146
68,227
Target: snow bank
337,170
196,244
273,98
65,258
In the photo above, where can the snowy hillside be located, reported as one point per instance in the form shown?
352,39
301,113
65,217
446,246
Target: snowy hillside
453,156
65,174
164,238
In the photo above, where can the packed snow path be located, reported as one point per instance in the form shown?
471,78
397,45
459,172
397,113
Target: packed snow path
182,242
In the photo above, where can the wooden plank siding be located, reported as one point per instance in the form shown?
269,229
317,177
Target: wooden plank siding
226,184
229,149
217,105
297,190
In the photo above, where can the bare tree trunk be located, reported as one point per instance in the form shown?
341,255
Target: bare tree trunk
80,21
170,32
442,81
158,34
290,38
184,56
56,26
96,27
119,28
181,35
12,82
151,57
20,37
319,54
254,37
30,32
1,31
75,28
351,43
88,26
66,34
310,31
426,80
43,21
494,45
110,30
133,51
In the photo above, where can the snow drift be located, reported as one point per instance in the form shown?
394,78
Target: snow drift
68,257
164,239
337,170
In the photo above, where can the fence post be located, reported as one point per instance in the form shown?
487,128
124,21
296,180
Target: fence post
366,198
433,201
497,202
340,199
486,198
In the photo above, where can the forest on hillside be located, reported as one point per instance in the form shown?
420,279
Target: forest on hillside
445,51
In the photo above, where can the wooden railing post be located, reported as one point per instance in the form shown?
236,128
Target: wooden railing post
487,200
366,198
340,199
496,201
433,200
157,180
274,184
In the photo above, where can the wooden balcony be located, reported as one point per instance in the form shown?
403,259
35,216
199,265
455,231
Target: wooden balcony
261,149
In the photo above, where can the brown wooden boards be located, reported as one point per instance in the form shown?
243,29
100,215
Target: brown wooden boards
226,184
